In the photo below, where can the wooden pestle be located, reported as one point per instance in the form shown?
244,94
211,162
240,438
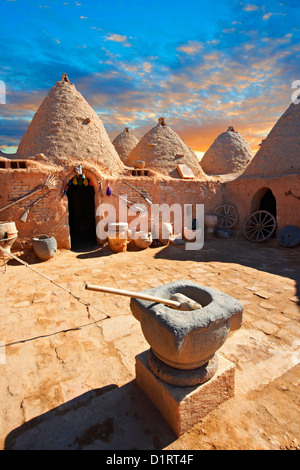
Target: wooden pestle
177,301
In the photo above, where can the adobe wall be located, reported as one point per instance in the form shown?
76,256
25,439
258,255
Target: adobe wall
164,191
245,194
48,216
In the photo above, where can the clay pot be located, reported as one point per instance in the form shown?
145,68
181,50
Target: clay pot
210,222
162,232
190,235
118,236
45,247
142,239
8,235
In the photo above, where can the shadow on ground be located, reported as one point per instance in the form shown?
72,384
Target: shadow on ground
109,418
93,252
268,256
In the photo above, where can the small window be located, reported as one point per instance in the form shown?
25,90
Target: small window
140,172
2,164
17,164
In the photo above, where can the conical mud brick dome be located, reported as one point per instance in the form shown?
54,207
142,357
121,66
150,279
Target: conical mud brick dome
229,153
162,150
124,143
65,126
279,153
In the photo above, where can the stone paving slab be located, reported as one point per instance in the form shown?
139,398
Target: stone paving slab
60,360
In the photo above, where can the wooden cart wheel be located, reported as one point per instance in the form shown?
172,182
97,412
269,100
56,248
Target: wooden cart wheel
227,215
259,226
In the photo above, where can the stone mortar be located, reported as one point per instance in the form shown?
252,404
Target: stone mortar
187,340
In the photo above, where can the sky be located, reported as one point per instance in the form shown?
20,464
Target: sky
202,65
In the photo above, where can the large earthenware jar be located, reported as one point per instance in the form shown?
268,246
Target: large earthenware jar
210,222
45,247
142,239
162,232
118,236
8,235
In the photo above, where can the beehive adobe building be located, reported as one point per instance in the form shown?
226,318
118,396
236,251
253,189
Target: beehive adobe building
124,143
230,153
163,150
67,137
272,179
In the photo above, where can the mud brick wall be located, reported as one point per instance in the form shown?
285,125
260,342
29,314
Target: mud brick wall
49,216
41,210
245,194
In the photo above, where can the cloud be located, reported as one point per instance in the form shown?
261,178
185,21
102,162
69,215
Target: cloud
12,131
244,85
228,30
119,38
250,7
190,48
267,16
201,79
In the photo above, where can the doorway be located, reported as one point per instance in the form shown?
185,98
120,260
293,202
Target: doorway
268,203
82,222
264,200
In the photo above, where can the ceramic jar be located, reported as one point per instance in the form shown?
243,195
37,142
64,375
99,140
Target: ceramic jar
8,235
45,247
118,236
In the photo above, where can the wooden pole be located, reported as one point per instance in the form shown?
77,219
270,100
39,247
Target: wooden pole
135,295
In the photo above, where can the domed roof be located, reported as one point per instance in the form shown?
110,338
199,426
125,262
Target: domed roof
279,153
124,143
65,126
162,150
229,153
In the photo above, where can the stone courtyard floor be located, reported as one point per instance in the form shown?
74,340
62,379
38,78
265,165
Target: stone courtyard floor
68,372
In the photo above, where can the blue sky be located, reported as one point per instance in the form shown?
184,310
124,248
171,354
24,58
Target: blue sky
203,65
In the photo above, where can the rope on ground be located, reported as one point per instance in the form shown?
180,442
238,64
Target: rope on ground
84,302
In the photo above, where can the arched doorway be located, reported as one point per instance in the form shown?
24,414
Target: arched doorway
264,200
81,200
268,203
